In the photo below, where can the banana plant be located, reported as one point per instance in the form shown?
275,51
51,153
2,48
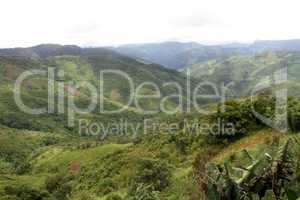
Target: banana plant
263,174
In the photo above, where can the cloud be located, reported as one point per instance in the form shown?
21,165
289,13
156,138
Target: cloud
102,22
194,21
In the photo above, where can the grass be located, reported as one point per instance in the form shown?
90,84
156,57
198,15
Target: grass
122,193
60,157
249,142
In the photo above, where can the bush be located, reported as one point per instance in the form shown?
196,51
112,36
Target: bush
83,195
239,115
294,114
114,197
154,173
107,185
25,192
23,168
181,141
47,141
53,183
58,186
143,192
62,192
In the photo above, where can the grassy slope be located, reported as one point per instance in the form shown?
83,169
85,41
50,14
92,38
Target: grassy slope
253,141
247,71
77,68
98,161
114,161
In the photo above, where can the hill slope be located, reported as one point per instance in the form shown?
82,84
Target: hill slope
42,158
247,71
176,55
81,65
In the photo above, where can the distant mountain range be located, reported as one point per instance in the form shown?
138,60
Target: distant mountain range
149,156
224,63
71,58
81,64
44,50
245,72
174,55
177,55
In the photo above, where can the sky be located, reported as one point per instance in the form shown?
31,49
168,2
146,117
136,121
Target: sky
115,22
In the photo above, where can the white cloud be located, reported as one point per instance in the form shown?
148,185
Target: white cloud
103,22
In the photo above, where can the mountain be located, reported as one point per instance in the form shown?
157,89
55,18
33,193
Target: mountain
161,53
42,157
175,55
184,156
203,54
262,45
43,50
245,72
78,65
85,64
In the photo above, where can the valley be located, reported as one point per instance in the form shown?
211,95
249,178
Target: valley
200,122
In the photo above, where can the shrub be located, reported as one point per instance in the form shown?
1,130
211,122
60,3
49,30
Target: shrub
181,141
62,192
83,195
294,114
107,185
199,169
114,197
239,115
53,183
58,186
23,168
152,172
25,192
143,192
47,141
275,171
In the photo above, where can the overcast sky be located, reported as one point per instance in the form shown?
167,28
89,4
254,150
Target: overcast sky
112,22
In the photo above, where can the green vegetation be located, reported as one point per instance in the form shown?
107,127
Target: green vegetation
243,176
241,73
152,167
42,158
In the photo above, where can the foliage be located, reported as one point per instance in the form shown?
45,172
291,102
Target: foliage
107,185
236,117
150,172
143,192
24,192
263,174
114,197
243,73
181,141
58,186
294,114
41,151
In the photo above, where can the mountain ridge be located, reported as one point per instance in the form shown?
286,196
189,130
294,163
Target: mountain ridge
188,53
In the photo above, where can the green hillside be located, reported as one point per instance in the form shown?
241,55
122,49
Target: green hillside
246,72
176,55
77,68
42,157
44,165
